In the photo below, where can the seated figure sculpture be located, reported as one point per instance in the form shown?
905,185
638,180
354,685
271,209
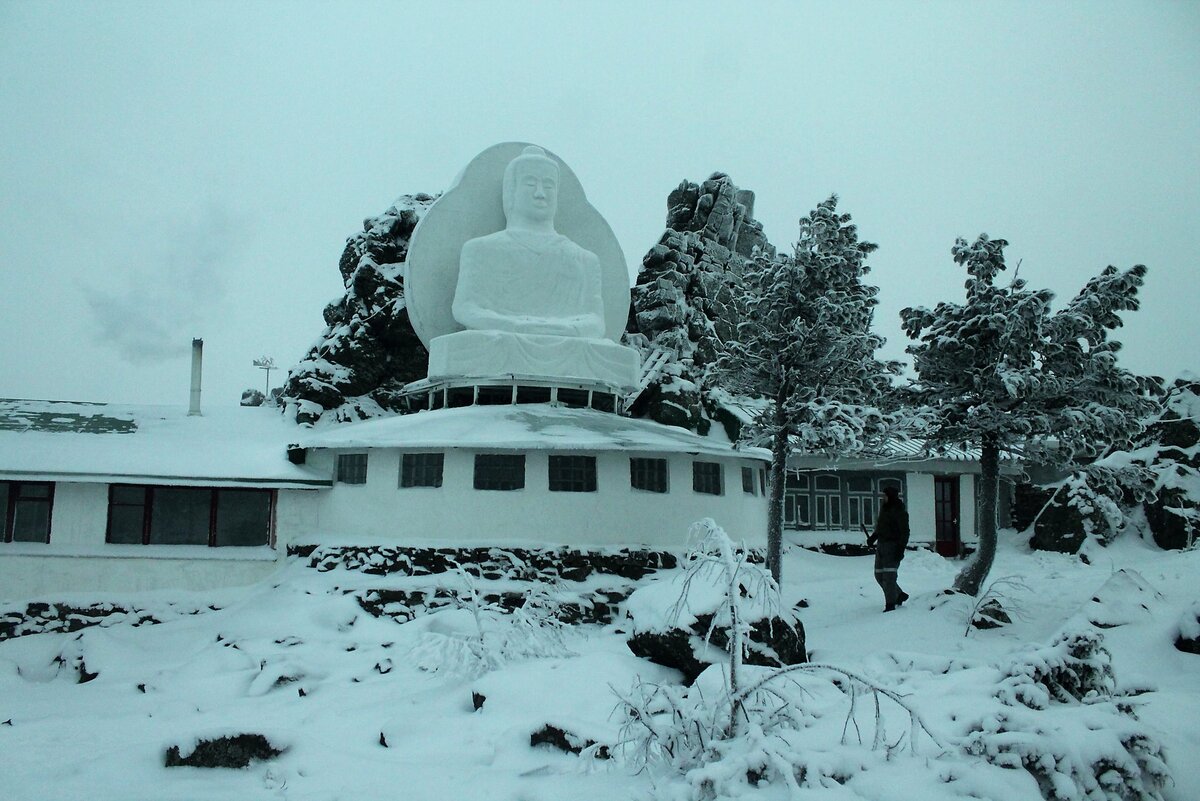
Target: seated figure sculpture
530,298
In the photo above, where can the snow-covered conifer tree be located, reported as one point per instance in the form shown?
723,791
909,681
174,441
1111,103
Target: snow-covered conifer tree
1001,372
804,344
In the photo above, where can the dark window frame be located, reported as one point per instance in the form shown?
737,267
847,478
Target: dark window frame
13,498
850,507
347,469
491,477
645,473
708,478
571,473
214,505
425,469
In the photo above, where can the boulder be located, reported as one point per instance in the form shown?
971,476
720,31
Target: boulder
230,751
691,634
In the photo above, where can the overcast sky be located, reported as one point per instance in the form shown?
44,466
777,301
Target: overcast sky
170,170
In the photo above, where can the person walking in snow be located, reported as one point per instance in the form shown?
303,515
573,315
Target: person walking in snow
890,539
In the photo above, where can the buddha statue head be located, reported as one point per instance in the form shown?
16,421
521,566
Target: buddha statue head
530,190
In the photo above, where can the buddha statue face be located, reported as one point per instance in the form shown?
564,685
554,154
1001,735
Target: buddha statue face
531,190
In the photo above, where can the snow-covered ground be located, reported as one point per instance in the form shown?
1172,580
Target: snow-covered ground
352,700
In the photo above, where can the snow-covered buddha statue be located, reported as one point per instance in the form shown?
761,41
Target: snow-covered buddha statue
528,278
531,300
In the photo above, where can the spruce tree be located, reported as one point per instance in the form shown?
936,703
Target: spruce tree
1001,372
804,345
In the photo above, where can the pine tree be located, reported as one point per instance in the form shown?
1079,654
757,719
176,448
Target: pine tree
1001,372
804,345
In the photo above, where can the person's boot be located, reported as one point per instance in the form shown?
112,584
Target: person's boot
903,597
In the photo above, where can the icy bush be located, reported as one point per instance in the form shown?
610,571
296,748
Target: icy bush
490,636
740,725
1062,723
1075,667
1079,753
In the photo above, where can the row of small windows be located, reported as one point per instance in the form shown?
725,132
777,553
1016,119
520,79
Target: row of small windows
148,515
569,473
833,502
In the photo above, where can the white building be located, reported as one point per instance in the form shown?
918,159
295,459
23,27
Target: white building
830,501
117,498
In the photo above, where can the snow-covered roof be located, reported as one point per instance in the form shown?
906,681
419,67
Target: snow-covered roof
904,454
75,441
523,427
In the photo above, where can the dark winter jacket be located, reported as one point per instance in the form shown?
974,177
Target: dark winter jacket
892,524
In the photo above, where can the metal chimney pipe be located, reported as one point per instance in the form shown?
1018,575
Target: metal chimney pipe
197,368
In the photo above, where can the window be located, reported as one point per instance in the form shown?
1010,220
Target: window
827,497
498,471
803,511
796,481
494,396
748,480
576,398
243,517
604,401
860,500
180,516
706,478
762,480
26,508
572,473
828,483
127,520
533,394
421,469
141,515
648,474
891,482
352,468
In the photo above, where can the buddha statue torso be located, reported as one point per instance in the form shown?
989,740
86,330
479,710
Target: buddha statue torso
530,283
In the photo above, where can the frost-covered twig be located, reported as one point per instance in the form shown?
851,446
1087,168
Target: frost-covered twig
997,591
877,689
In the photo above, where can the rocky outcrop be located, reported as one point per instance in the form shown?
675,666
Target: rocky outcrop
1174,514
684,300
369,349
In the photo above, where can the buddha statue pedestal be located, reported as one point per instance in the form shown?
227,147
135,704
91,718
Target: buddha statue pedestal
483,354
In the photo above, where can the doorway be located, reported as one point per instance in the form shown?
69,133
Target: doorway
945,515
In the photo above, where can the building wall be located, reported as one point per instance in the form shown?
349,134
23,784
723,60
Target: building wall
919,492
918,497
968,530
27,576
615,514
